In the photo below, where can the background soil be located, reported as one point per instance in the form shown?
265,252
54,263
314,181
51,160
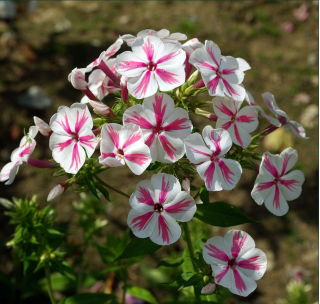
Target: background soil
41,47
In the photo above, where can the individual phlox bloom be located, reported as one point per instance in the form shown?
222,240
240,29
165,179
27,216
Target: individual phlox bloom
72,139
163,34
275,185
124,145
156,206
296,128
222,75
19,156
250,100
239,122
151,65
164,127
235,262
207,153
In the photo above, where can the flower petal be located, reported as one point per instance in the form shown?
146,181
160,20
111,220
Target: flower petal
290,184
241,285
9,172
218,140
215,252
138,158
143,86
247,118
129,65
144,194
182,208
170,77
196,150
140,116
170,149
166,231
178,123
166,187
211,176
142,221
230,172
275,202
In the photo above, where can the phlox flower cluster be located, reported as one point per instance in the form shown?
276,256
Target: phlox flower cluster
150,125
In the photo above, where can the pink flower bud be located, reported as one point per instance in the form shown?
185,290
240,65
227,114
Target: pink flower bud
43,127
55,192
101,108
208,289
124,89
78,79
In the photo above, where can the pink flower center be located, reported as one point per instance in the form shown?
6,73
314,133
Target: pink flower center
75,136
282,120
231,262
158,207
120,152
157,129
151,66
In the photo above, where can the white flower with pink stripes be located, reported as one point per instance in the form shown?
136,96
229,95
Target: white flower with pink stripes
222,75
19,156
156,206
152,65
236,263
163,34
239,122
122,145
283,119
207,153
164,127
275,185
72,139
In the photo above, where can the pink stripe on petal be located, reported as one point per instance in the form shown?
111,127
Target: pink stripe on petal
265,185
276,198
229,88
212,84
75,158
164,190
237,243
138,159
285,164
141,222
237,134
131,65
150,139
245,119
217,253
167,146
207,65
65,144
227,125
209,173
289,183
105,155
86,140
226,172
166,76
216,143
140,121
25,151
270,167
200,152
65,125
250,263
224,109
143,85
113,135
131,140
80,121
221,275
158,109
176,125
163,229
240,285
228,71
148,49
213,57
145,196
167,57
178,207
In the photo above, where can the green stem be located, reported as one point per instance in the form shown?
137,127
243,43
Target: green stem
112,188
50,290
192,256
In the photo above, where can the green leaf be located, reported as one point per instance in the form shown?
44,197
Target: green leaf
142,294
103,191
222,214
138,247
86,298
171,262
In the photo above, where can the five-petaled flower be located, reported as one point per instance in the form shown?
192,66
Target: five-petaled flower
236,263
296,128
275,185
152,65
239,122
164,126
222,75
218,172
122,145
72,138
156,206
19,156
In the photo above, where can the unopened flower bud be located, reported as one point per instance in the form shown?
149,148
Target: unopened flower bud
101,108
55,192
208,289
43,127
207,114
78,79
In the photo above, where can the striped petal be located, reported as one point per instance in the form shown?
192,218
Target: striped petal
166,187
196,150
